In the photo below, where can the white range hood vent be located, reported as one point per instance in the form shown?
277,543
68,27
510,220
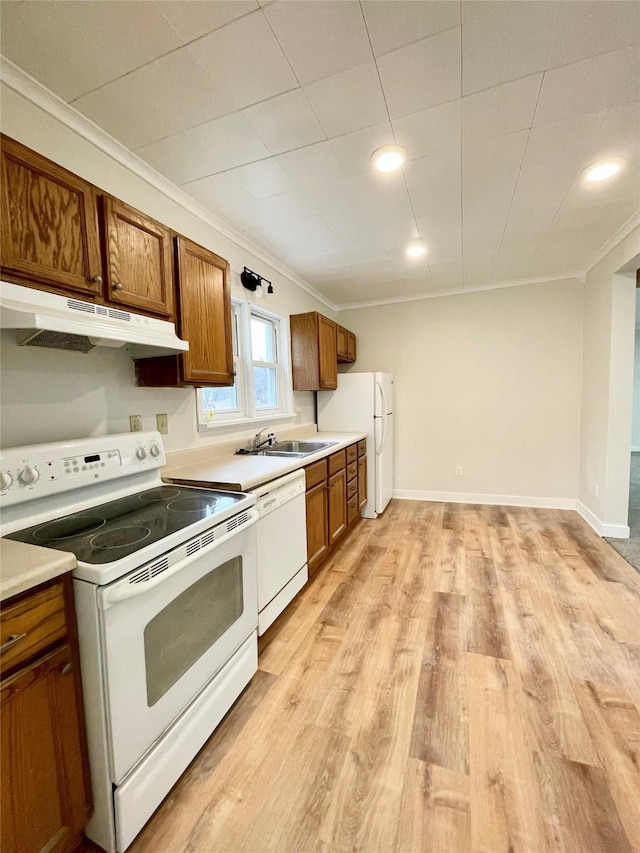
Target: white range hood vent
62,322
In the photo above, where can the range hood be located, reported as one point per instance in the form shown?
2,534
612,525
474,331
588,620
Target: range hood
64,322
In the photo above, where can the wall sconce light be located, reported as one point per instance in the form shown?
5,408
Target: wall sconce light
253,282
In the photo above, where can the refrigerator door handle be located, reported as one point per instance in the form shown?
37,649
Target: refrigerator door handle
384,410
383,420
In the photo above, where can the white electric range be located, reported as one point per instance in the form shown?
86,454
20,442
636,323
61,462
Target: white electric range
166,601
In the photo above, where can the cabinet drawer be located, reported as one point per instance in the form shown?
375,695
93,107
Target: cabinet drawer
40,618
352,453
315,473
337,461
352,470
352,488
362,447
352,509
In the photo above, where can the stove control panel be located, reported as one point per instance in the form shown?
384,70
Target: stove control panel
44,470
74,465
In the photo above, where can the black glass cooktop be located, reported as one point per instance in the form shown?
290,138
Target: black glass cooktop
111,531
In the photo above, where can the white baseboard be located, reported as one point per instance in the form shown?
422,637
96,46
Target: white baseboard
493,500
614,531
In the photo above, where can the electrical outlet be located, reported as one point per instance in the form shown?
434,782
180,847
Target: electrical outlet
596,490
135,423
162,423
459,471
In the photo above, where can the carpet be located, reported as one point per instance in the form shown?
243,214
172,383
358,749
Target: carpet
630,548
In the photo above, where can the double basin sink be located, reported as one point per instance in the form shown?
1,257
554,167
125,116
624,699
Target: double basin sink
291,449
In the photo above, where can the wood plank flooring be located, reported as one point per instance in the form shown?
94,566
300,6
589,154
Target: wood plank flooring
456,678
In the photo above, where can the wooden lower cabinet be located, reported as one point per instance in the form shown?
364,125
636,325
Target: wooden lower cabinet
332,503
337,505
362,482
317,526
45,792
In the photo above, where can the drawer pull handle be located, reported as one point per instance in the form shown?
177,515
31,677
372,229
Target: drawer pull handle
11,642
67,668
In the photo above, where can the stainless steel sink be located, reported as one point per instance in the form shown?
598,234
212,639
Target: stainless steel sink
302,447
291,449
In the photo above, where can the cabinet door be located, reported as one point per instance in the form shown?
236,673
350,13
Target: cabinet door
43,792
139,260
342,343
205,315
49,224
328,358
351,347
317,526
362,481
337,505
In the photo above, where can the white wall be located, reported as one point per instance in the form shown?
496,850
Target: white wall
607,398
635,418
489,381
49,395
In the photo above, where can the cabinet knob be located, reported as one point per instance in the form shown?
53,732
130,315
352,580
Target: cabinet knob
66,669
117,287
97,279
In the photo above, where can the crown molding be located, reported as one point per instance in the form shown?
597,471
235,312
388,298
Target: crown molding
457,291
28,87
617,237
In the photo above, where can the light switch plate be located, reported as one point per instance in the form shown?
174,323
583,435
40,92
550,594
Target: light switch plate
135,423
162,423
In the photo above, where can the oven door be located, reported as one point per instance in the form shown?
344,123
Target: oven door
168,627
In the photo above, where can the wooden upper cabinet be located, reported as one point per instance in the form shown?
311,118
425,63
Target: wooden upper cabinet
205,314
346,346
49,228
204,319
139,260
313,352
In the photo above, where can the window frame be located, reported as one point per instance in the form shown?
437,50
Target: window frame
247,412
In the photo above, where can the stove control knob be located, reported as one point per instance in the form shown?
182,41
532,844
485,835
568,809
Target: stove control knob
5,481
28,476
141,453
155,450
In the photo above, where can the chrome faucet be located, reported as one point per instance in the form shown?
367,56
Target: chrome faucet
270,440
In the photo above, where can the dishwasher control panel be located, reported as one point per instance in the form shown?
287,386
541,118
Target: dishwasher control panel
273,495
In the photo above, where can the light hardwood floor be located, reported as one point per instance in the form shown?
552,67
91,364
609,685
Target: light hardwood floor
456,678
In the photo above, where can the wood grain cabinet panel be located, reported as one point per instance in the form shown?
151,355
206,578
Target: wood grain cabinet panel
317,526
346,346
44,785
313,352
204,319
139,268
49,227
337,505
362,481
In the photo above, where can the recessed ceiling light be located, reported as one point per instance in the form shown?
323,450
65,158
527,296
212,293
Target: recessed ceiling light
414,250
603,170
390,158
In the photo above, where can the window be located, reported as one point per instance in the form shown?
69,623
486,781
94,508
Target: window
262,388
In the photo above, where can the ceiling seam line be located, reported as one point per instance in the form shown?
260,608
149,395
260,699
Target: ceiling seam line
300,86
517,181
162,55
393,130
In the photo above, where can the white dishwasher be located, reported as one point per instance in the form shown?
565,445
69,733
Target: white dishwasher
282,544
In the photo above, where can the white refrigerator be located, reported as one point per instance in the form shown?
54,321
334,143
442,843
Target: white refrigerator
364,403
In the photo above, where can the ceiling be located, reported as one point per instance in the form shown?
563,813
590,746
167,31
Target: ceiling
267,113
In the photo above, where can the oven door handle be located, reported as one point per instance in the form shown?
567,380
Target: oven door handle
126,590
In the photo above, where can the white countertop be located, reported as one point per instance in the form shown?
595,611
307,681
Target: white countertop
241,473
24,566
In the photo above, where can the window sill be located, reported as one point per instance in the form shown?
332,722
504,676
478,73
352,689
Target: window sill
234,425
